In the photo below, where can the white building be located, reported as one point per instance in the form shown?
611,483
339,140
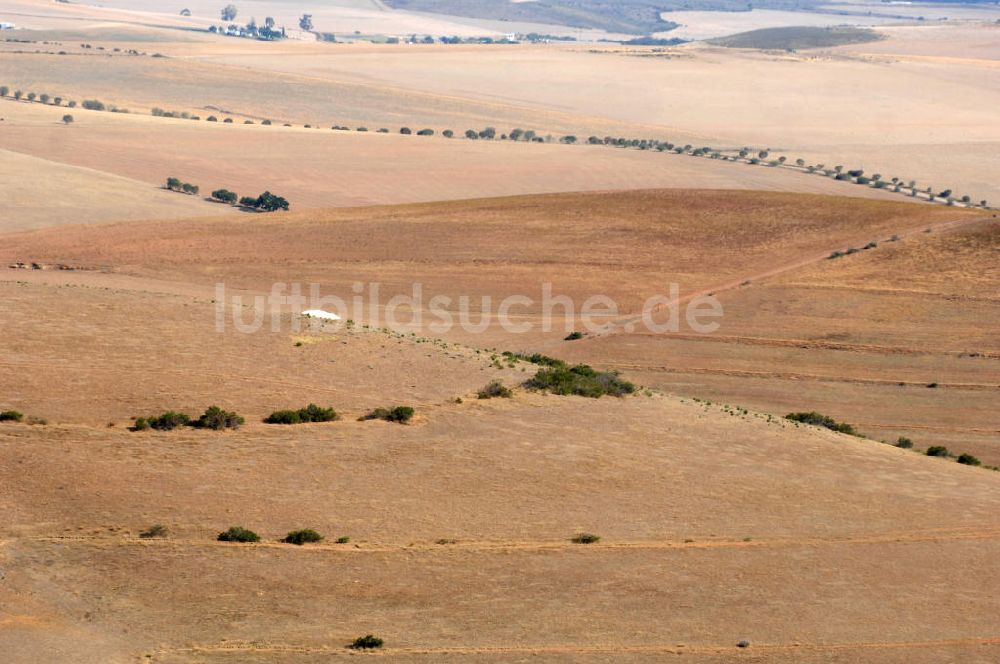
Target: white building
6,26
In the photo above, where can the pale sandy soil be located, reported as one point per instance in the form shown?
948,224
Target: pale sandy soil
46,193
976,43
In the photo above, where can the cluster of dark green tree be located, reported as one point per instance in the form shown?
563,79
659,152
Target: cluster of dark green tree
266,202
175,184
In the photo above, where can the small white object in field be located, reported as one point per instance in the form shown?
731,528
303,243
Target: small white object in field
319,313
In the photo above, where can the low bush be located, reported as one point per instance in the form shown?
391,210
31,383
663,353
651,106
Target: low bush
937,451
573,336
283,417
238,534
968,460
366,642
819,420
343,540
400,414
495,389
311,413
300,537
217,419
11,416
536,358
586,538
580,380
154,531
168,421
904,443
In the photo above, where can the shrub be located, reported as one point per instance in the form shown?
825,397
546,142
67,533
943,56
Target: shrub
224,196
937,451
168,421
366,642
904,443
573,336
211,118
67,119
968,460
283,417
405,131
819,420
400,414
238,534
311,413
228,121
495,389
301,537
586,538
266,122
536,358
140,424
425,132
448,133
93,105
314,413
11,416
217,419
343,540
580,380
157,530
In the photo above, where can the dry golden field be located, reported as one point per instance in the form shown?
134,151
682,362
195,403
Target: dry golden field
719,519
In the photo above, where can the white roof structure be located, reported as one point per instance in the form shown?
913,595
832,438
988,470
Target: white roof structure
319,313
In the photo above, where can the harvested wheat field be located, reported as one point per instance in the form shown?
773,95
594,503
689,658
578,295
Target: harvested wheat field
320,168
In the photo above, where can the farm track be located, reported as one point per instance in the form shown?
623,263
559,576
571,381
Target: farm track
788,375
487,546
242,647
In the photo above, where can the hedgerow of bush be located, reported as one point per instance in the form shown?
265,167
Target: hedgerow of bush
816,419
